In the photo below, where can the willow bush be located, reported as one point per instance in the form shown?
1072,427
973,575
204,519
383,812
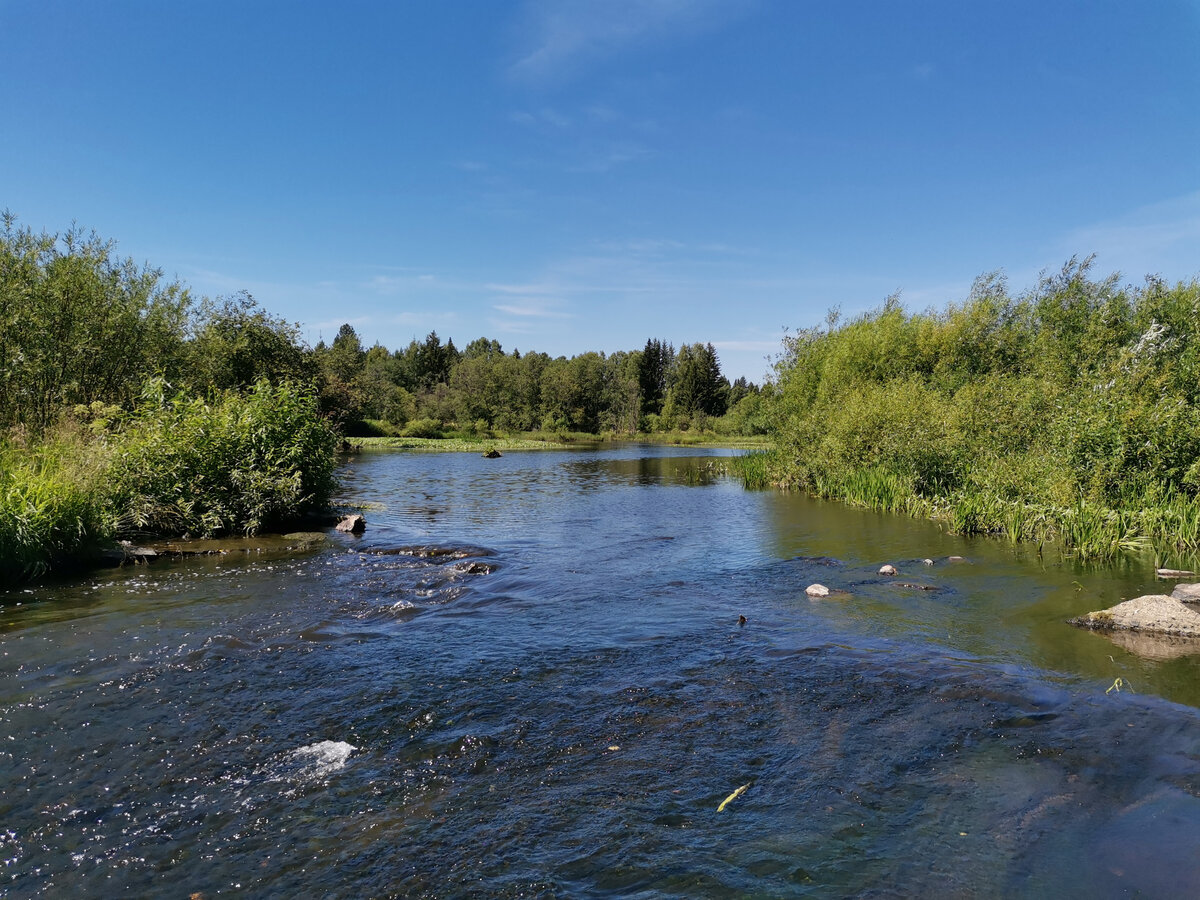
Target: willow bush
235,462
1071,412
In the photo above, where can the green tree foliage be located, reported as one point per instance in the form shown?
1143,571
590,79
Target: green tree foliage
1080,394
342,364
697,385
236,343
653,371
79,324
382,381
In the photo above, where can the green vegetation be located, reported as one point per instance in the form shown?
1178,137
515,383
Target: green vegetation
237,462
1070,413
51,507
95,445
127,407
429,388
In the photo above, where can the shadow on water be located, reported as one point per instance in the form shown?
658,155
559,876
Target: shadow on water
544,690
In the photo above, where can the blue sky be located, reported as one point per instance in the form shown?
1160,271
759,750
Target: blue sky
578,176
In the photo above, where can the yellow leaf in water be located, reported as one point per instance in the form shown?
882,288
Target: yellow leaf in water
732,797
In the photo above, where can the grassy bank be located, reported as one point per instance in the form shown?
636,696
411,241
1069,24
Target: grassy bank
1068,414
235,464
458,443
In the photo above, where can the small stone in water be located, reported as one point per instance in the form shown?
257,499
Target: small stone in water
817,590
928,562
887,569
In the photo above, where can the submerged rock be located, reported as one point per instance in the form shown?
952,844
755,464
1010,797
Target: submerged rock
306,537
1188,593
1173,573
125,552
1153,613
354,524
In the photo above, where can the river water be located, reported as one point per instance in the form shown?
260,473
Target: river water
528,678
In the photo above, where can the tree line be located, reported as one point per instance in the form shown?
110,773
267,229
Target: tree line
80,326
430,385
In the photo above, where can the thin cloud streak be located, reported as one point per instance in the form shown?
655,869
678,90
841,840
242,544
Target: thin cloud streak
1160,238
568,34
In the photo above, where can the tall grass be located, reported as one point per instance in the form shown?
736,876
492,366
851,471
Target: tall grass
754,469
53,506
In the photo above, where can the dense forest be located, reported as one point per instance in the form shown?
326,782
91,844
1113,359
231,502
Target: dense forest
1070,412
429,386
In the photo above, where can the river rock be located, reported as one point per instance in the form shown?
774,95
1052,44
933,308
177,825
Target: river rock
887,569
1153,613
492,454
927,561
817,590
354,524
1173,573
306,537
1188,593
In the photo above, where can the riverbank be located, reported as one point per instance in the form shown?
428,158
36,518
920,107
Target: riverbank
539,441
1070,413
238,463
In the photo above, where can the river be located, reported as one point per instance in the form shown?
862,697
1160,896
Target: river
528,678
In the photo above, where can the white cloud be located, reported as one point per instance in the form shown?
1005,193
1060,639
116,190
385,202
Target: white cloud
1158,239
531,310
561,35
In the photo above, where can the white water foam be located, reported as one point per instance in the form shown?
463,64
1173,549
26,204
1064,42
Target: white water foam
321,759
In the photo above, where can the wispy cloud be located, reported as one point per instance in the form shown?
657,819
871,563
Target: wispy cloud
531,310
1161,238
562,35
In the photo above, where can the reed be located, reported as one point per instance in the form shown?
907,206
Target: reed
52,505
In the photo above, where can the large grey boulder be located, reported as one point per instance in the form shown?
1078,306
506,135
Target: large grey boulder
1153,613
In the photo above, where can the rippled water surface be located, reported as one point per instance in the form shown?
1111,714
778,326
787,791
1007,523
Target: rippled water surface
528,678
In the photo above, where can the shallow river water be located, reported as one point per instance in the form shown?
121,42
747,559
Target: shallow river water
528,678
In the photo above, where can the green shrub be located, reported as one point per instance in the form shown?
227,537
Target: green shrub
1071,413
236,463
423,428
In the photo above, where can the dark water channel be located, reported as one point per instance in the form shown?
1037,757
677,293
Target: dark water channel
528,679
